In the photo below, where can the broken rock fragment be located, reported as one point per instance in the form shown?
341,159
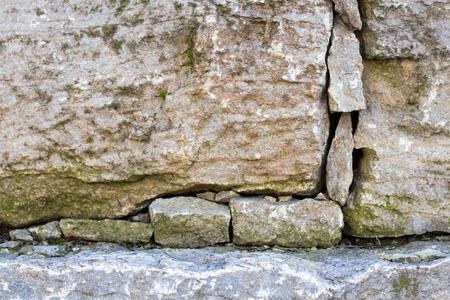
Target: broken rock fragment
225,196
46,232
345,92
339,170
115,231
297,223
189,222
349,12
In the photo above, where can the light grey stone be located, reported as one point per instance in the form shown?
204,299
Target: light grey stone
226,273
225,196
348,10
189,222
106,104
300,223
21,235
10,244
339,169
141,217
117,231
403,182
405,29
44,250
345,93
46,232
207,196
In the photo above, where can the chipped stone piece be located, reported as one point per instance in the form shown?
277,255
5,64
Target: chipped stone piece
321,197
115,231
46,232
285,198
141,217
225,196
345,93
299,223
339,169
21,235
207,196
349,12
189,222
270,198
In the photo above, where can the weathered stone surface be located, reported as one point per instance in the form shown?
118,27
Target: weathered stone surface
405,29
225,196
189,222
106,104
403,185
21,235
349,12
226,273
345,92
297,223
117,231
46,232
339,169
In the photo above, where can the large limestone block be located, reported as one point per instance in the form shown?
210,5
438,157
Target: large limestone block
339,169
297,223
189,222
345,93
115,231
405,28
106,104
404,182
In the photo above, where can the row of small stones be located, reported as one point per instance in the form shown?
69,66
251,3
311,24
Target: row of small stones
205,220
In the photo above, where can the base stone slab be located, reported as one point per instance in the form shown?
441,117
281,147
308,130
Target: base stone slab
229,273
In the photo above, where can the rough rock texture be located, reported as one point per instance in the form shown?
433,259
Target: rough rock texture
345,92
106,104
226,273
404,183
405,29
297,223
21,235
348,10
339,169
189,222
46,232
116,231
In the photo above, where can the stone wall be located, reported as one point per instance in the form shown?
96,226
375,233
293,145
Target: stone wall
322,119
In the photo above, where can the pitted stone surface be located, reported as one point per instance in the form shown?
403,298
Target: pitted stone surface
189,222
403,184
297,223
227,273
106,104
405,28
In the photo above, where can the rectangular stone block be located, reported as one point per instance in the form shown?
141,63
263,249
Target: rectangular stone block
189,222
297,223
114,231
